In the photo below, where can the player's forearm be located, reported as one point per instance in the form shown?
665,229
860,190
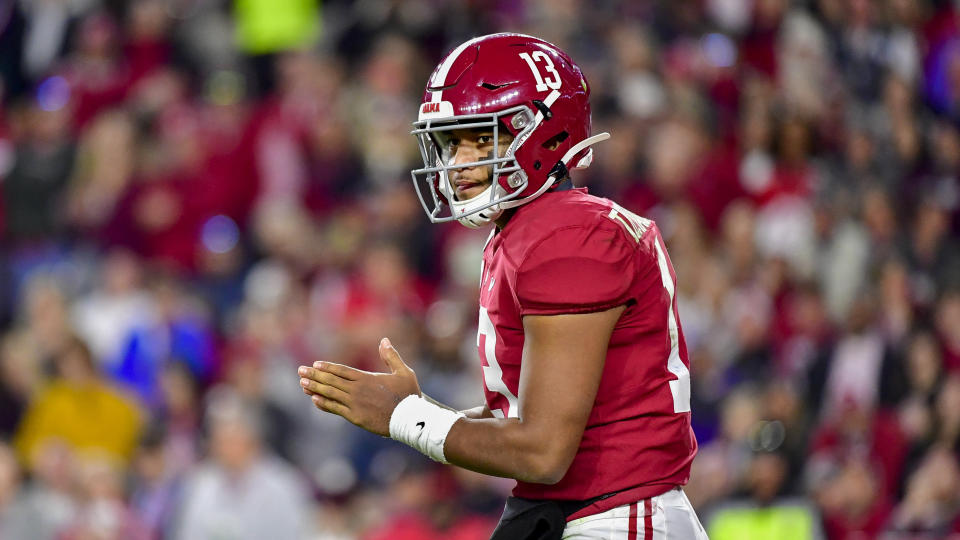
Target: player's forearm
475,413
508,448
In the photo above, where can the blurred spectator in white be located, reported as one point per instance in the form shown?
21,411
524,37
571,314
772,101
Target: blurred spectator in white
241,491
45,504
806,71
107,316
95,69
855,368
48,26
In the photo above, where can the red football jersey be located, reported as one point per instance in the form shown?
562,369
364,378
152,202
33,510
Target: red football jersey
570,252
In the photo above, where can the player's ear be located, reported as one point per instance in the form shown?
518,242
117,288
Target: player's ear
554,142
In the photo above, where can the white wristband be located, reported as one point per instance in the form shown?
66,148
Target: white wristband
422,425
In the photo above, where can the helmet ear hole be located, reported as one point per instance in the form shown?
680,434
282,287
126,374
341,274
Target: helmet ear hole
554,142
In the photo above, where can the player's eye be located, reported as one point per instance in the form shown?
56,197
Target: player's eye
453,143
484,139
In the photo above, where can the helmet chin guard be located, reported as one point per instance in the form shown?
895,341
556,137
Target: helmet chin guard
503,82
476,211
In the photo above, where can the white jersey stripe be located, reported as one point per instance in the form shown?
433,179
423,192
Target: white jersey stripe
679,388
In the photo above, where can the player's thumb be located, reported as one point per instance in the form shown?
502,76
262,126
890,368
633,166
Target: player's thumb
390,356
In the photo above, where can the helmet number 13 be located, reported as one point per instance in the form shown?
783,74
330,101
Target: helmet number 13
552,81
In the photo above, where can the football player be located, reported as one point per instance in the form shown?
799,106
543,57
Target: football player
587,381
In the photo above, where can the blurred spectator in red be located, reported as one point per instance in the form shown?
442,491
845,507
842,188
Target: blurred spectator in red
147,48
103,512
94,70
853,502
931,506
105,163
422,508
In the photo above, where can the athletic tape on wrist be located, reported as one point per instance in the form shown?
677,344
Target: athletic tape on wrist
422,425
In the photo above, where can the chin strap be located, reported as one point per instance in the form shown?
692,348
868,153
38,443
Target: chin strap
561,168
589,141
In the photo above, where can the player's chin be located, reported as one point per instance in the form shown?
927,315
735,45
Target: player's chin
468,193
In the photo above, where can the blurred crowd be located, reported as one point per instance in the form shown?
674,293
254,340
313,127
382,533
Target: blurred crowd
197,196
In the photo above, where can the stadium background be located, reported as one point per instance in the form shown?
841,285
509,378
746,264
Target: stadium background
200,195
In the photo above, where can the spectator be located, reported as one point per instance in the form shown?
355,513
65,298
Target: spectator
241,491
81,410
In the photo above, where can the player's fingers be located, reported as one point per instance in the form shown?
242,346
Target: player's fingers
324,377
331,406
340,370
390,356
325,390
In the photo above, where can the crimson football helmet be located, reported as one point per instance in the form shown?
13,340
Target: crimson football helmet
504,82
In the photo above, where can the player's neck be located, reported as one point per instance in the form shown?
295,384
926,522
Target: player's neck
501,222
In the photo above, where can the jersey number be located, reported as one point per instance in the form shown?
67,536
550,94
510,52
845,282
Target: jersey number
542,83
492,373
636,226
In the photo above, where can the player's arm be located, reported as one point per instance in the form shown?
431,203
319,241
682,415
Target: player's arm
563,359
475,412
562,364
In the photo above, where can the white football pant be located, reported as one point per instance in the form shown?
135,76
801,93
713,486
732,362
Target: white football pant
665,517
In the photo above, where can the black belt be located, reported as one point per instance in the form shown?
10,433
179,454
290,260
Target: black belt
538,519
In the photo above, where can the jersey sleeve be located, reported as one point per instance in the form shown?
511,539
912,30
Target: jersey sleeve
578,269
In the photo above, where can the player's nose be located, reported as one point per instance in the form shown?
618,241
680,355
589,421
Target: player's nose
465,154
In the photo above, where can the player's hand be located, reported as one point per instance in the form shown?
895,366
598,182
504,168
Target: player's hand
363,398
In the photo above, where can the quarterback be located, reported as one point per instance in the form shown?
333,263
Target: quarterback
585,369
